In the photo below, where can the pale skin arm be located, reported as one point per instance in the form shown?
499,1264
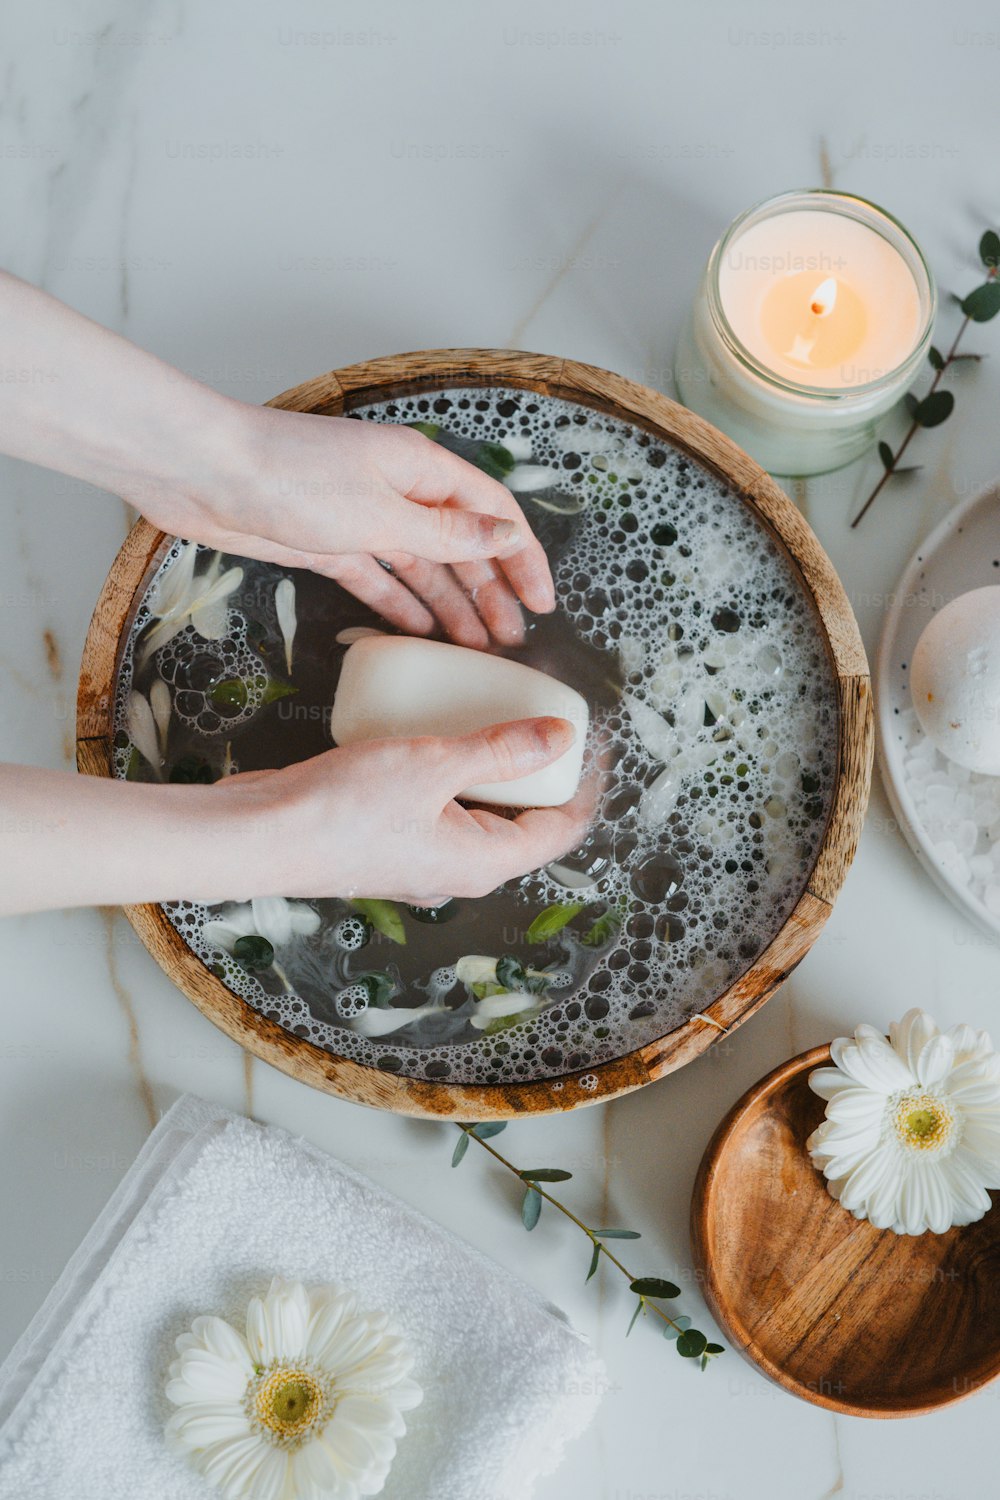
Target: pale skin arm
328,494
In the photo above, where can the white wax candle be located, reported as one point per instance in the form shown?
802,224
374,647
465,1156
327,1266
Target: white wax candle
398,687
814,317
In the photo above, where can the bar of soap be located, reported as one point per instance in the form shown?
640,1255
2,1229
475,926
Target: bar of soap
398,687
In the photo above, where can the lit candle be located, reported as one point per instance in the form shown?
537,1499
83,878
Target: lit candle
813,319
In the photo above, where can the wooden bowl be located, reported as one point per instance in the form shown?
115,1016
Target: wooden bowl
856,1319
342,391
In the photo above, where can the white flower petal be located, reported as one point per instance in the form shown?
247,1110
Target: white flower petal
970,1045
284,603
270,1480
476,968
142,731
172,590
934,1061
656,736
272,919
377,1022
208,1422
910,1036
872,1062
159,702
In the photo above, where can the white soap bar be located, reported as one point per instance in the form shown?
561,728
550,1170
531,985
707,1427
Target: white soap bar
397,687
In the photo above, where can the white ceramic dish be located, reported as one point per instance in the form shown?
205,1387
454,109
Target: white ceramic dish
962,553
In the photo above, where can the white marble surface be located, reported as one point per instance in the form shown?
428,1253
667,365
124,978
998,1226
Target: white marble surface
548,177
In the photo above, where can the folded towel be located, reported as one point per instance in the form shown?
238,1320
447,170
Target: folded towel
212,1208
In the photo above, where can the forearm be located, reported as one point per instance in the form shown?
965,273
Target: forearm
69,840
90,404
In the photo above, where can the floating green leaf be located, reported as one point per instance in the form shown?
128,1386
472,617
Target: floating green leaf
595,1260
545,1174
691,1343
655,1286
253,953
380,986
512,975
606,926
230,694
553,919
984,303
989,249
429,429
935,408
276,690
384,917
494,459
191,770
531,1208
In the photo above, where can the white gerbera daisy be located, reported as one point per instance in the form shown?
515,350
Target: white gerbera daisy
308,1406
911,1139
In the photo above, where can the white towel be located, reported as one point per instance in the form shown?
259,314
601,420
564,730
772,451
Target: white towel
213,1207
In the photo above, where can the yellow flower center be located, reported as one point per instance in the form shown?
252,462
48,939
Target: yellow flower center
923,1122
288,1404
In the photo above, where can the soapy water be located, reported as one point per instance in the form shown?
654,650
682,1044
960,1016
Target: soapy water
714,718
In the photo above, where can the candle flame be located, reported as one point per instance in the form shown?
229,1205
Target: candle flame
824,298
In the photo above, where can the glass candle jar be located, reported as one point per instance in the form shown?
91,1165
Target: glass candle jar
813,318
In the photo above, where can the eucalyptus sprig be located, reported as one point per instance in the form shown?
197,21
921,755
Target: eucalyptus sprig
650,1291
981,304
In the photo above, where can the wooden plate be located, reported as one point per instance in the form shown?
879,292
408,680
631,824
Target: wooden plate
856,1319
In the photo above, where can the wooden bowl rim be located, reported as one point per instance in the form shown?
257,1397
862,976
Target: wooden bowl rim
342,390
702,1224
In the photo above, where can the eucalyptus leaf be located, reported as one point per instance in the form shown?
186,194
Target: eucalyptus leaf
553,919
886,455
618,1234
229,694
494,459
595,1261
276,690
989,249
935,408
691,1344
675,1328
489,1128
715,1349
461,1146
531,1208
638,1310
253,953
936,358
384,917
984,303
655,1286
545,1174
606,926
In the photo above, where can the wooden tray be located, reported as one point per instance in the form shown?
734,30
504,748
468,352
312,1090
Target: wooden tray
342,391
856,1319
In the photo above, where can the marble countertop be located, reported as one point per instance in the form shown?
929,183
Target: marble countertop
259,193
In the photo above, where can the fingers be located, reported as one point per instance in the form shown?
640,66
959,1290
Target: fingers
446,483
494,599
444,596
363,577
503,752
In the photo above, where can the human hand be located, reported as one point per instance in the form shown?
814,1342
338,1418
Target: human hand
380,819
336,496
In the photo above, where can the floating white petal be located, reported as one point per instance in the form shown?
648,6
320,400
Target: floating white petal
284,603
